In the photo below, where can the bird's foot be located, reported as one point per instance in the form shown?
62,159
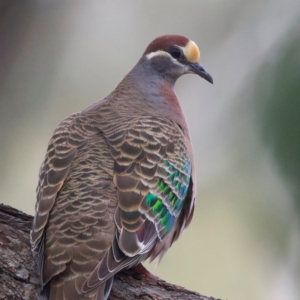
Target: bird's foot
143,271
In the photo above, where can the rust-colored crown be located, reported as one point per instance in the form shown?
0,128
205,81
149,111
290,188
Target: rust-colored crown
165,42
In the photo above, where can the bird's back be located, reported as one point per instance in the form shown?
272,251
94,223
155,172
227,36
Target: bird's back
121,192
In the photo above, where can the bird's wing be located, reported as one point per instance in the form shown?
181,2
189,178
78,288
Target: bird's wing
152,173
137,178
67,139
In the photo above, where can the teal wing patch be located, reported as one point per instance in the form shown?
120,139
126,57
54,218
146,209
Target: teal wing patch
166,200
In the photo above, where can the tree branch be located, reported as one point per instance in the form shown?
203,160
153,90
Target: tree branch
19,277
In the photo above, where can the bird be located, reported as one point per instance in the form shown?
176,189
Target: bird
117,184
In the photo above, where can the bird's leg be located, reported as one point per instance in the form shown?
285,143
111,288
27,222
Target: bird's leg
143,271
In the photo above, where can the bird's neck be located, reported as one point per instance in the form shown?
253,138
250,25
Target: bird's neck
142,91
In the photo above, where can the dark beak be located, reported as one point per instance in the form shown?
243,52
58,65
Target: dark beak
198,69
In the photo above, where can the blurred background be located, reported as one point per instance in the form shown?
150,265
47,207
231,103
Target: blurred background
58,57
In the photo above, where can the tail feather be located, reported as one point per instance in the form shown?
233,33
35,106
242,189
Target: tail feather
68,291
104,292
45,293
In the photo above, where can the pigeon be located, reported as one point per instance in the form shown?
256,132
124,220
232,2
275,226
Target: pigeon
117,184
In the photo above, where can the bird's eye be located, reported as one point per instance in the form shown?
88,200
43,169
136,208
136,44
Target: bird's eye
176,52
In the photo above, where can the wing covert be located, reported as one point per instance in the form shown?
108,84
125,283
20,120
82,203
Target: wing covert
152,174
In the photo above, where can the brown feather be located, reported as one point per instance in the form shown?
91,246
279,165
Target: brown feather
92,218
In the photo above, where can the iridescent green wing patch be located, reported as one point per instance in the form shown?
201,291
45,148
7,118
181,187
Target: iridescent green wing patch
166,199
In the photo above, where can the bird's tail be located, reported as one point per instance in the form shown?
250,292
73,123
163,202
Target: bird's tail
45,292
68,292
104,289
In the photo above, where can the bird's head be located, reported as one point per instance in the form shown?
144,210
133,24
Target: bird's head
171,56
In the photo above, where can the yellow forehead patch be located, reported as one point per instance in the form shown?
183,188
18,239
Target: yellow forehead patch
191,52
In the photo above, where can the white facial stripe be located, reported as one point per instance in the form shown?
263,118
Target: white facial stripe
157,53
163,53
